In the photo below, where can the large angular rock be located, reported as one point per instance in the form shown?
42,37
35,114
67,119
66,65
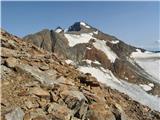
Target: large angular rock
5,52
46,77
59,112
11,62
88,80
39,92
98,111
16,114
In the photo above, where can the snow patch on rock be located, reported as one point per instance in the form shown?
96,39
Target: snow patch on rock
114,42
58,30
149,61
151,84
146,87
96,62
77,39
140,54
68,61
84,24
88,61
96,32
89,48
101,45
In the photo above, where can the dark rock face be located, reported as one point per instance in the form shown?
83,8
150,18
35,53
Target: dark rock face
79,27
42,39
75,27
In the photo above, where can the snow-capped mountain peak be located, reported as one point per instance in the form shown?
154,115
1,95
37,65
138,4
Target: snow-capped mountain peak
83,44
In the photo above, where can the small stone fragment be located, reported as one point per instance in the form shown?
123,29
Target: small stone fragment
44,67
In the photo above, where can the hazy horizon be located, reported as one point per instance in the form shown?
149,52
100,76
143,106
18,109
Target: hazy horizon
136,23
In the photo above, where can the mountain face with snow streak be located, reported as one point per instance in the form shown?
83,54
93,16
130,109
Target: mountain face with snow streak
130,70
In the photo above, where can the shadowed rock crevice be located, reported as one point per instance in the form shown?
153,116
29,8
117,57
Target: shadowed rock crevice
53,39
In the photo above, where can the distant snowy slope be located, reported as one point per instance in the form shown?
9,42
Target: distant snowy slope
149,61
136,92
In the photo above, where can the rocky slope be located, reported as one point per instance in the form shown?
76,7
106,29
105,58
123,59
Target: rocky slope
37,85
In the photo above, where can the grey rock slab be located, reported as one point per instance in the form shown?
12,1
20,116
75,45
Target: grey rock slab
16,114
5,72
44,77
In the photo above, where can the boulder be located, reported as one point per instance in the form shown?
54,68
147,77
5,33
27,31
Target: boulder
88,80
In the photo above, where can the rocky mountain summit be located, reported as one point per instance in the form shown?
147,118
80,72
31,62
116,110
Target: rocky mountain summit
79,74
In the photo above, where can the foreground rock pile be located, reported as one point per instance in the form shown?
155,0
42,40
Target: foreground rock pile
36,85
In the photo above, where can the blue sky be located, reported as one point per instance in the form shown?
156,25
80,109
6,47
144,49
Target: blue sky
136,23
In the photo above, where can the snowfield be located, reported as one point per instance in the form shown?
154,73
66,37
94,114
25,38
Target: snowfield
77,39
136,92
99,44
149,61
